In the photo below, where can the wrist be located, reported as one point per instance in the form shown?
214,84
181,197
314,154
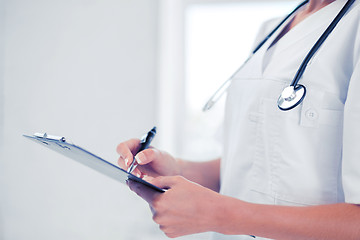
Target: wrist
233,216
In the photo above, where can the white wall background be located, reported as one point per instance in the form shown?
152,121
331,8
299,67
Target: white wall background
85,69
98,72
2,179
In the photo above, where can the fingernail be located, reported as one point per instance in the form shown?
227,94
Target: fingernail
138,159
126,161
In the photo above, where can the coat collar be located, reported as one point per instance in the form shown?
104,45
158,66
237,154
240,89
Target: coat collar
317,21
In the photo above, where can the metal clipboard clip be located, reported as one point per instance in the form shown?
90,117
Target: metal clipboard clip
49,137
56,139
82,156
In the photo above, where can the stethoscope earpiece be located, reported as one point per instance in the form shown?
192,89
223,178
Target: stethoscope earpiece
291,97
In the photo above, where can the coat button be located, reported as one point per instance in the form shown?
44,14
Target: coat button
311,114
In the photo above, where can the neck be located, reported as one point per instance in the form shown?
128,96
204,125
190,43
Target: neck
315,5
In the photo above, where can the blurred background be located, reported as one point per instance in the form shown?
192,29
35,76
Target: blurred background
100,72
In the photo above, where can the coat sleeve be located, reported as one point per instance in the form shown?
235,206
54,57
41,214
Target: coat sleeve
351,139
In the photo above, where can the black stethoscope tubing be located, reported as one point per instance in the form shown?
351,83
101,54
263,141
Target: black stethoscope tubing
320,41
298,91
316,46
296,88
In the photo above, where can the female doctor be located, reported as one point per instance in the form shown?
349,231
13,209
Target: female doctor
291,174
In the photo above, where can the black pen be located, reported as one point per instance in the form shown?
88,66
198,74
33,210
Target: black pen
144,144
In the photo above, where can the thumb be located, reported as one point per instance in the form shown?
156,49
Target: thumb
165,182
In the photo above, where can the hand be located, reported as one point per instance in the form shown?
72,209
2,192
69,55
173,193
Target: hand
152,162
185,208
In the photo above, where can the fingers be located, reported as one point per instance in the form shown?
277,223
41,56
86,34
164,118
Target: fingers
128,147
145,192
151,161
126,151
137,172
148,178
148,155
149,194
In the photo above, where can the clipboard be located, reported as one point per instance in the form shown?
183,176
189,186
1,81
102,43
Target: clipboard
68,149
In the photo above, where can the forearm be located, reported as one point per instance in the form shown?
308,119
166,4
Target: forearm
336,221
206,174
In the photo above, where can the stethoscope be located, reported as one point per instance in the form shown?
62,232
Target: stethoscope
294,94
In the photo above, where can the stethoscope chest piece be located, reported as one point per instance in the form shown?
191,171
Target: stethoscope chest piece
291,97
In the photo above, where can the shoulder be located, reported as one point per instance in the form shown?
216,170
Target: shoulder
356,5
353,15
351,26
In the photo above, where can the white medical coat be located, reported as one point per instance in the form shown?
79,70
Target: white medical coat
309,155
